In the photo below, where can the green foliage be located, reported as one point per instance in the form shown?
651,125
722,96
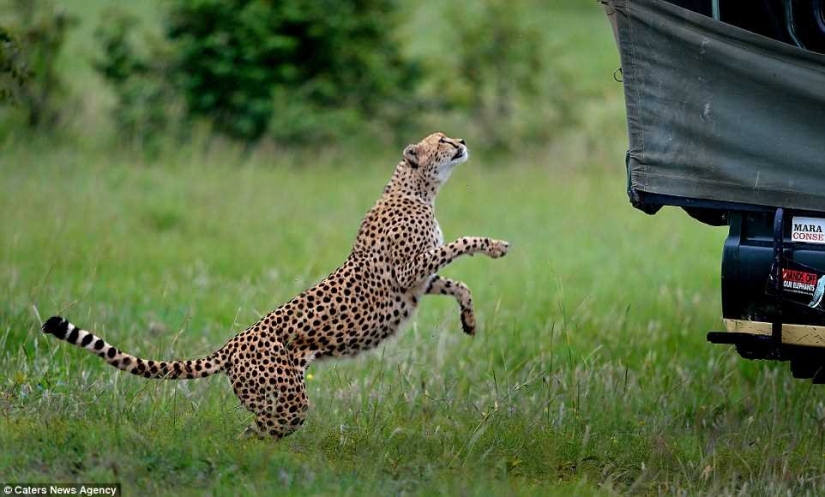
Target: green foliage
300,71
497,51
146,99
31,46
298,121
120,59
235,58
502,70
13,71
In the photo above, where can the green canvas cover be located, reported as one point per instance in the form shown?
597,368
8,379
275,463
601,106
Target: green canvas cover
718,113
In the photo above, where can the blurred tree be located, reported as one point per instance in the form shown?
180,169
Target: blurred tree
13,70
234,58
500,59
499,66
146,98
31,44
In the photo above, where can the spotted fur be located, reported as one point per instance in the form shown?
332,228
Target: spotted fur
394,262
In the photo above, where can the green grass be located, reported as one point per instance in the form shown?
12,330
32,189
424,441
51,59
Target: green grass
590,373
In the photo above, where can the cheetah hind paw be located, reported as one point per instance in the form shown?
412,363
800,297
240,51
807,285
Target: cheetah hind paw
468,322
251,433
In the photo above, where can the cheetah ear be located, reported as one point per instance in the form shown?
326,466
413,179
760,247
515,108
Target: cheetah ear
411,154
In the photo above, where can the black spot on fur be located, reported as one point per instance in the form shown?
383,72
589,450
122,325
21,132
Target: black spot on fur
87,340
99,344
72,338
112,352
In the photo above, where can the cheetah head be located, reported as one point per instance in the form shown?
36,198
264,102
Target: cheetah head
434,157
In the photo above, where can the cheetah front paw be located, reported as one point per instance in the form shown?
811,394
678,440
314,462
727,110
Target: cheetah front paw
497,249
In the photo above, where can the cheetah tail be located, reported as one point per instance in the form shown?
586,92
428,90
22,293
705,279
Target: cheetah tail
171,370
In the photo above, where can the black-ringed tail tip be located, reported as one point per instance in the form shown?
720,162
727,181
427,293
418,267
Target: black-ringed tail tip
64,330
56,326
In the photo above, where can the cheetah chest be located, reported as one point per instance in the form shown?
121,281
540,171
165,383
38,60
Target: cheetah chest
439,235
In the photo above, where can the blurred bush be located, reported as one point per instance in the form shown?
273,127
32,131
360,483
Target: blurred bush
235,56
32,37
137,68
301,73
498,66
13,71
298,70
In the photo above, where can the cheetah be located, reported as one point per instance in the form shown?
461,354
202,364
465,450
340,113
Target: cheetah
395,261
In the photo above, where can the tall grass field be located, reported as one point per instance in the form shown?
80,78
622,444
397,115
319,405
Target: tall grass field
589,375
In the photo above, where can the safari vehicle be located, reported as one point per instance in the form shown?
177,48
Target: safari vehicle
726,119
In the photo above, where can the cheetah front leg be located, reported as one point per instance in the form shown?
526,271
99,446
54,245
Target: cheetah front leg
461,292
430,262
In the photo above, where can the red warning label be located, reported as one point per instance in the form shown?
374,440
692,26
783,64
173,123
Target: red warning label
799,281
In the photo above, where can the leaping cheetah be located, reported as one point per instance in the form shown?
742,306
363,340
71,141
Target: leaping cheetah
394,262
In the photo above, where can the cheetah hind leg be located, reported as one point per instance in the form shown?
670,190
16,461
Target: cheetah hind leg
278,400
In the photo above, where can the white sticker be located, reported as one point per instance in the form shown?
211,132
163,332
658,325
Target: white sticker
808,230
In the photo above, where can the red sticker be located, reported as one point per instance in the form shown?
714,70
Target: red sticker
799,281
799,276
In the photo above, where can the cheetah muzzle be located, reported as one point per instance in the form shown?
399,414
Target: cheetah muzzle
394,262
